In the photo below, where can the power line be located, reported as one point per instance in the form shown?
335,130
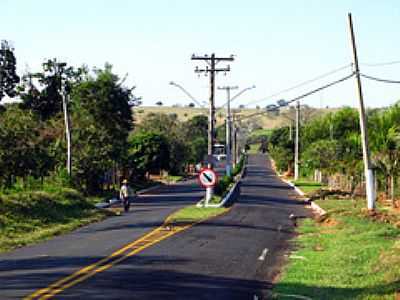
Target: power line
389,63
380,79
302,96
321,88
301,84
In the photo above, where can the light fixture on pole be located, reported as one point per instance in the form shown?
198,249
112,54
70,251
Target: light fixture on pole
228,147
187,93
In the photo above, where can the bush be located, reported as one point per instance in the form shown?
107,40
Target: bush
223,185
239,166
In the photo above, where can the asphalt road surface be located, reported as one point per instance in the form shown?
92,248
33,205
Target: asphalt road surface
234,256
27,269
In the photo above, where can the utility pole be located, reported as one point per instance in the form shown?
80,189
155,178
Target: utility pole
59,69
296,146
228,167
369,175
211,61
233,137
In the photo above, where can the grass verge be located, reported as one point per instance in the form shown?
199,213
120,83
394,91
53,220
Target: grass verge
31,216
193,214
308,186
348,255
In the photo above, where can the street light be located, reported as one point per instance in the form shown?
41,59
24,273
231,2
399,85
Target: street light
237,95
228,147
186,92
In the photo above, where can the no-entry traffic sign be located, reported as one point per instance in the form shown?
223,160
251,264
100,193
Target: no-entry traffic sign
207,177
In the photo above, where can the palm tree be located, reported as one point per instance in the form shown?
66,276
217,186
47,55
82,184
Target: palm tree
385,145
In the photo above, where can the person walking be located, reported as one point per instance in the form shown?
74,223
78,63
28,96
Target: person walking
125,195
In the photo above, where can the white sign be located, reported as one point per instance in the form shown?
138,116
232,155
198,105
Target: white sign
207,178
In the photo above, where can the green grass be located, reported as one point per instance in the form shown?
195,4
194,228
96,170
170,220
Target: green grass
172,178
308,186
27,217
192,214
347,256
259,132
254,148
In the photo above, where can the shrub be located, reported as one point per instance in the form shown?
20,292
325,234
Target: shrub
223,185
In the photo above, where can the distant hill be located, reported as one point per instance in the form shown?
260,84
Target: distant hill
266,120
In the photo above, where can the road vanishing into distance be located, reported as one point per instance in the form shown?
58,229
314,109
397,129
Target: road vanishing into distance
233,256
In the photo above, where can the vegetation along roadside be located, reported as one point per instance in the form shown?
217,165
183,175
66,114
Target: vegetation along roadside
348,254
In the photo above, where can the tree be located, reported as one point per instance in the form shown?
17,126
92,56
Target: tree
385,145
321,155
46,100
159,103
282,148
102,118
196,127
8,76
195,135
22,146
148,152
191,104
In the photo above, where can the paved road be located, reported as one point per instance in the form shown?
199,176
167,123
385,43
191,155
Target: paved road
27,269
218,259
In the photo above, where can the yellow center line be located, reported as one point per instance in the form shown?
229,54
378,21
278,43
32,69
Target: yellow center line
137,246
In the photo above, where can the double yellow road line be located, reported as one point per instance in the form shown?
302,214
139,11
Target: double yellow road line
106,263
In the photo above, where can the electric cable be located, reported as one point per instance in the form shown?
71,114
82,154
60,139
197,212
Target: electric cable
301,84
379,79
389,63
302,96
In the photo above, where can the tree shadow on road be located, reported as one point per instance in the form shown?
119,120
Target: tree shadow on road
139,277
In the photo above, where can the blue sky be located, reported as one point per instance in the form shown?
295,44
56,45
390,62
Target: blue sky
277,44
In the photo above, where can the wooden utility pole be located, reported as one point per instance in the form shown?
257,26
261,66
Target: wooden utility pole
369,175
234,161
211,61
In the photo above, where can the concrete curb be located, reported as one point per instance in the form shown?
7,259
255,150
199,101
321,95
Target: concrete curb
298,191
317,209
314,206
149,189
234,190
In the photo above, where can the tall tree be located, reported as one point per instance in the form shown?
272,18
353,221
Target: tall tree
102,118
8,77
148,152
46,98
22,146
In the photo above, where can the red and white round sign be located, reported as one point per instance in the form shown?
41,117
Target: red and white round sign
207,177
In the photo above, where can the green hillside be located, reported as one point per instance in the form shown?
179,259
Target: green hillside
266,120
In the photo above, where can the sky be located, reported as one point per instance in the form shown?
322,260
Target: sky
276,45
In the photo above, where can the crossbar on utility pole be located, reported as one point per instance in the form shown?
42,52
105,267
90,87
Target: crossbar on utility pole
210,68
369,175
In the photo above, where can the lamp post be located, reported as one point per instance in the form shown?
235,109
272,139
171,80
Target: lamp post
228,150
187,93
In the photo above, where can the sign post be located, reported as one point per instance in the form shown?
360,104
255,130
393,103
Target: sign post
208,179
